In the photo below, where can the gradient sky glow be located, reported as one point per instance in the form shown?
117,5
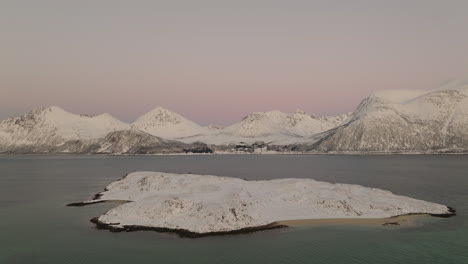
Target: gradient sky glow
216,61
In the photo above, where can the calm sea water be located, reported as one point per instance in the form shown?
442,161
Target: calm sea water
37,227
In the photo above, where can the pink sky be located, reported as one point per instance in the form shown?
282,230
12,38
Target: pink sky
215,63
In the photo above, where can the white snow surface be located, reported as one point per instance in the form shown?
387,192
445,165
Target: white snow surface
204,203
53,125
259,124
404,121
413,121
163,123
398,96
272,127
304,124
418,104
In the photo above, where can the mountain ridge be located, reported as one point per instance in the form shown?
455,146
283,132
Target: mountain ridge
435,121
388,121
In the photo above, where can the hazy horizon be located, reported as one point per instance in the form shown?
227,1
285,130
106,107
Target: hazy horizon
215,62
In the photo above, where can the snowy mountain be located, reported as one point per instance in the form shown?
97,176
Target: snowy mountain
138,142
259,124
53,126
273,127
163,123
296,124
54,130
303,124
403,121
409,121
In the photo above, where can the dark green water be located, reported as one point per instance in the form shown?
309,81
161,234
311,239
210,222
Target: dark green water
36,227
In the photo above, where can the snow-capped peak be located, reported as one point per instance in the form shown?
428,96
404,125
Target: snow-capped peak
397,96
457,84
276,115
161,116
405,120
57,114
299,112
258,124
299,123
53,125
167,124
304,124
50,111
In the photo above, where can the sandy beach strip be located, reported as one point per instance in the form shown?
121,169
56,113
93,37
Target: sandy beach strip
402,220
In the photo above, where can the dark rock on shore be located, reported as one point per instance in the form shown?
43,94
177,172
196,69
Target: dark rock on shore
181,232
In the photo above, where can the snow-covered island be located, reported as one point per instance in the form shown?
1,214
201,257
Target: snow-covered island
199,205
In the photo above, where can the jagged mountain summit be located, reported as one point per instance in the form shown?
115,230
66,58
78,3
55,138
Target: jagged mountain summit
395,121
402,121
138,142
303,124
259,124
53,126
54,130
299,123
163,123
271,127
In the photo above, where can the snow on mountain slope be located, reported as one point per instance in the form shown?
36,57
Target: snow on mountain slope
214,127
163,123
303,124
436,120
53,126
272,126
398,96
386,121
137,142
54,130
296,124
259,124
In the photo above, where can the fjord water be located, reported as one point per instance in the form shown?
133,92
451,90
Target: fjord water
37,227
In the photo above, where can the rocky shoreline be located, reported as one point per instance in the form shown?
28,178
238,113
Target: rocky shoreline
184,233
181,232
